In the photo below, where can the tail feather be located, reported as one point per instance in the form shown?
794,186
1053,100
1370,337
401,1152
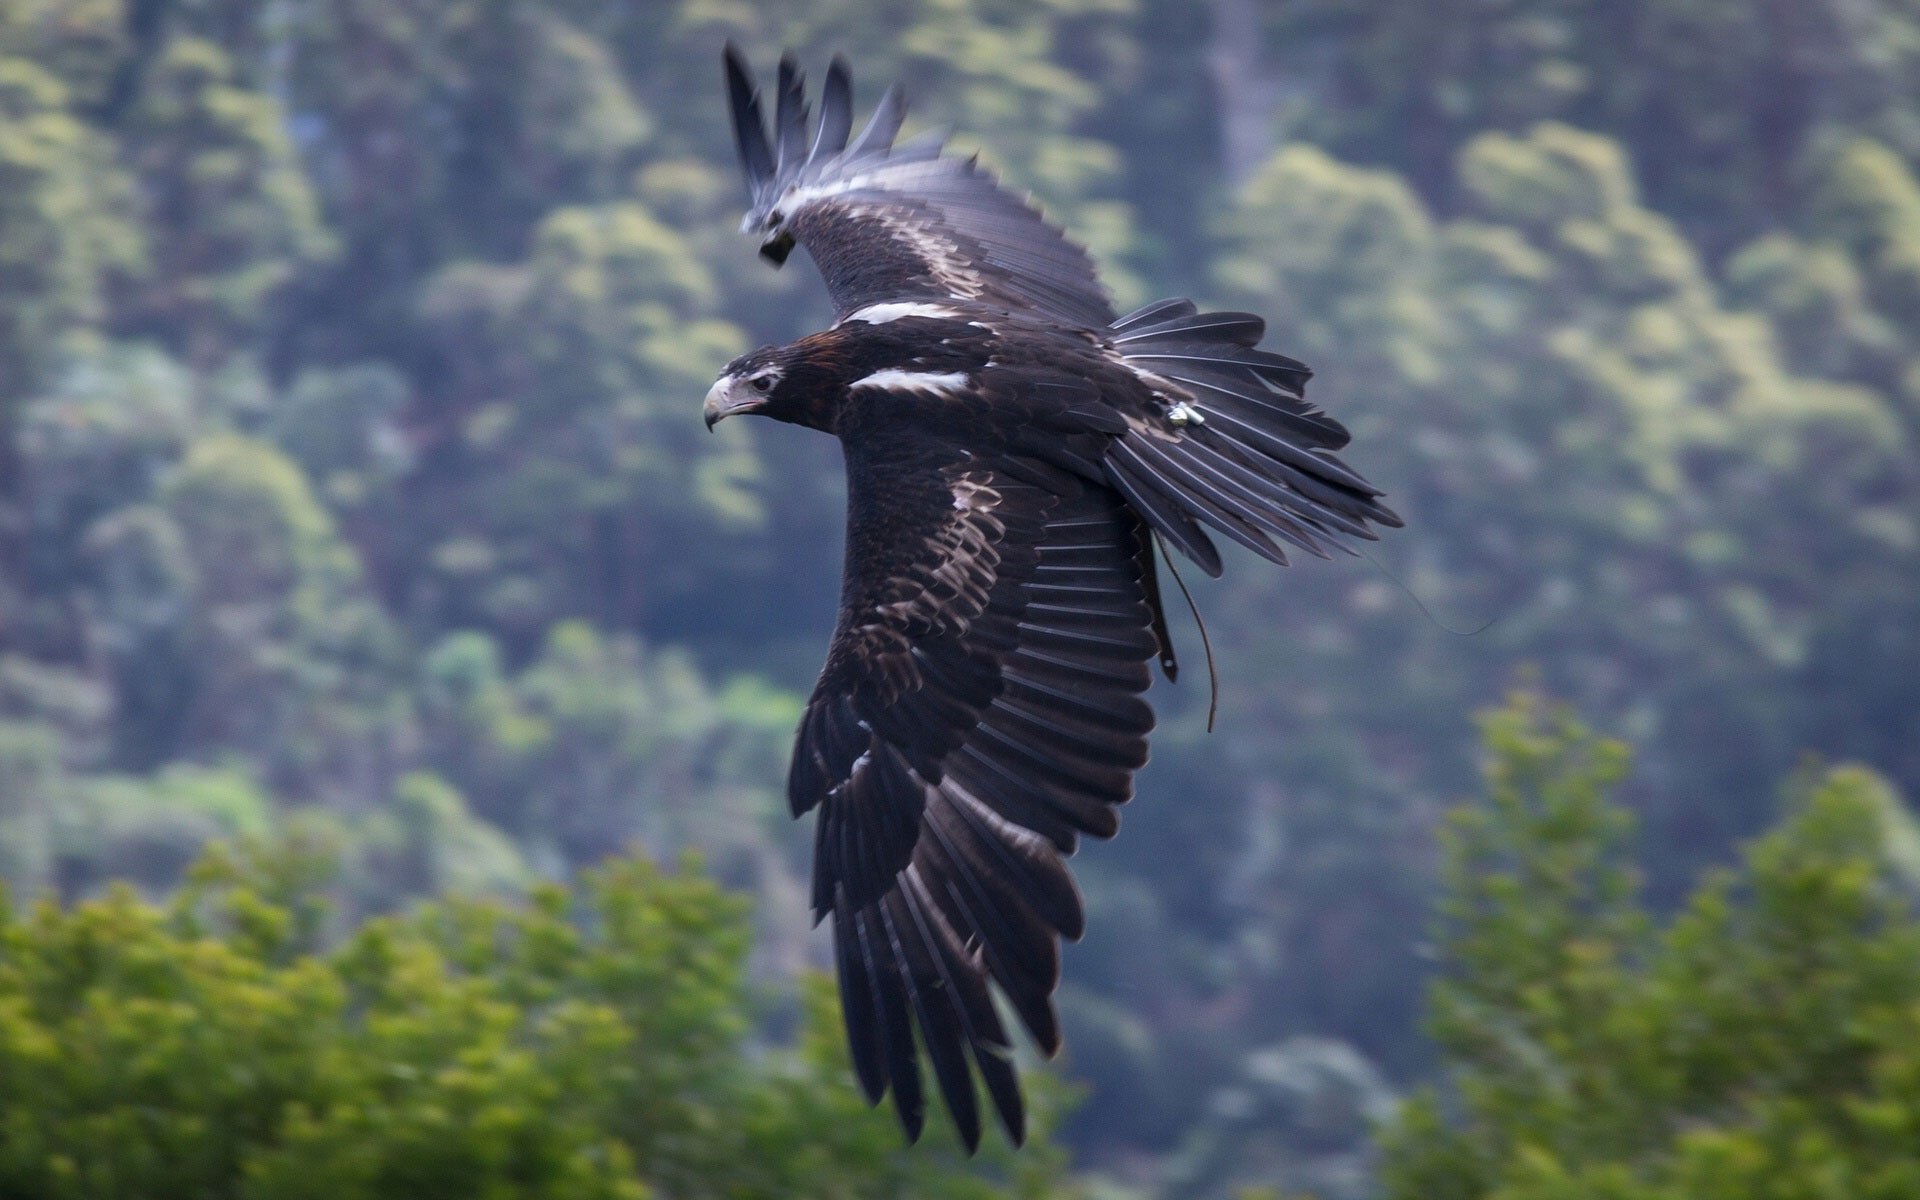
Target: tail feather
1229,358
1274,508
1237,447
1226,507
790,117
1158,504
1242,329
836,113
1159,310
1278,491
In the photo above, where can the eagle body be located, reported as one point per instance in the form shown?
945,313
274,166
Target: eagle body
1015,453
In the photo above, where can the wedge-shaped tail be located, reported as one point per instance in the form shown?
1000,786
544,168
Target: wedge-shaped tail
1233,446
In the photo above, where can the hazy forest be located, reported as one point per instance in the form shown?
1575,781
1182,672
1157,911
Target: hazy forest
373,603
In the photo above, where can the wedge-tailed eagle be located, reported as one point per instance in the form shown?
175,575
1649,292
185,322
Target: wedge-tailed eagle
1012,447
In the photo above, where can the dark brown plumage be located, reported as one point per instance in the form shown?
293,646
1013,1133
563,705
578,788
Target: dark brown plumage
1011,450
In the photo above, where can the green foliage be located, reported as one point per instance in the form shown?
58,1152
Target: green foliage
1868,204
1613,458
1727,100
341,426
61,226
1333,245
586,1043
598,743
277,611
612,314
216,168
148,830
79,41
29,769
1760,1043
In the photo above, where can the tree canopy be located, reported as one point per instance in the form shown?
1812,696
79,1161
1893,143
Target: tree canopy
596,1043
1760,1042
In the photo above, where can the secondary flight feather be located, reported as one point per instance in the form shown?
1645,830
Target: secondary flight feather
1012,449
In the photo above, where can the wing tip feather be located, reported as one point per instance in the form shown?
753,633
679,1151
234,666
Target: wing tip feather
749,127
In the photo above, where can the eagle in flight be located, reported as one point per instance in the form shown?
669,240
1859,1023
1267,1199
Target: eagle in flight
1012,451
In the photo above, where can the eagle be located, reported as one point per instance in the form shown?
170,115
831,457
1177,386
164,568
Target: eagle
1015,452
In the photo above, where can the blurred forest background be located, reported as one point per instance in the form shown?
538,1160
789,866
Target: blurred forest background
353,495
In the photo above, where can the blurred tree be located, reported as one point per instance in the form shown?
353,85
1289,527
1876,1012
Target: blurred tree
1759,1044
147,831
597,744
30,774
287,656
1610,460
585,1044
445,131
1718,102
571,403
343,427
1843,294
97,440
82,43
446,849
216,169
1301,1112
62,231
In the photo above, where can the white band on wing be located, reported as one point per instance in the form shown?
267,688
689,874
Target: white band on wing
894,380
880,314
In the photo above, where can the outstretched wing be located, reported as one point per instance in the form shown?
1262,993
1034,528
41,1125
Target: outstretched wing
890,223
980,708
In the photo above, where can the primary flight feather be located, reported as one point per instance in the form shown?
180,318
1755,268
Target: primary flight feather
1012,449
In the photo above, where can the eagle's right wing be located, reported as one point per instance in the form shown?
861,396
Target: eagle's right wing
897,224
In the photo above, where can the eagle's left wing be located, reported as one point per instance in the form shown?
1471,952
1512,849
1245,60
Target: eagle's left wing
897,224
979,710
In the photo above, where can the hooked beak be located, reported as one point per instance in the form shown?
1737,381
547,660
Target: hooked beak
728,396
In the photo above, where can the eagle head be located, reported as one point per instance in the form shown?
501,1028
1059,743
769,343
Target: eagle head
793,383
747,385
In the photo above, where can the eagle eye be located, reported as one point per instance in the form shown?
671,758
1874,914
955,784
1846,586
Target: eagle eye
761,383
